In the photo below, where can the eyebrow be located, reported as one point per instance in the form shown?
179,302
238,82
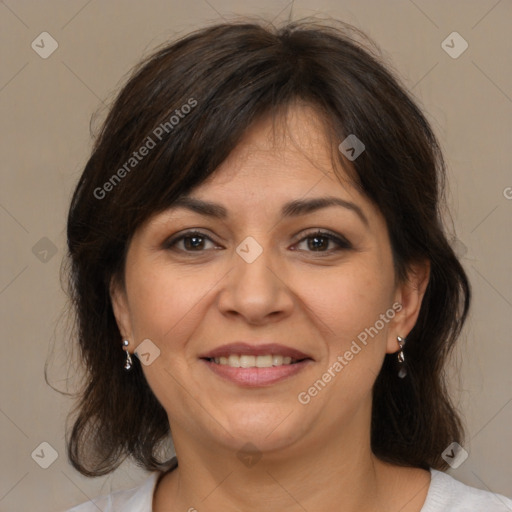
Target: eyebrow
293,208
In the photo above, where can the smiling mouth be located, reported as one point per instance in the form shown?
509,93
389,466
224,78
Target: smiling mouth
251,361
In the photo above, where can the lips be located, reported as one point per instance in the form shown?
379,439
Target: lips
242,348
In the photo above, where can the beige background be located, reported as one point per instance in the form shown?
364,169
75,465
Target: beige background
46,107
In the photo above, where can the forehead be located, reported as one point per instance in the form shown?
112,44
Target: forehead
295,145
291,154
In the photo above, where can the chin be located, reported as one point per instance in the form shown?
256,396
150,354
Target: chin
268,430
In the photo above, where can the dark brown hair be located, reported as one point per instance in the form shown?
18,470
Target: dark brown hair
190,104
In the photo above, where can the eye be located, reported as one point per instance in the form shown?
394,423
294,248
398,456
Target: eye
320,240
194,241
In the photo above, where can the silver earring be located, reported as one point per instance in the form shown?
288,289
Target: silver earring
402,372
128,363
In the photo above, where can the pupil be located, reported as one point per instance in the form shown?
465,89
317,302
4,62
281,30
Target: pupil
315,239
190,243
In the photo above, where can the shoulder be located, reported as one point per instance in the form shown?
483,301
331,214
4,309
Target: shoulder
136,499
448,494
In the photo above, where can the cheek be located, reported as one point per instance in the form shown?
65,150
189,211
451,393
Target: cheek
166,303
349,299
166,307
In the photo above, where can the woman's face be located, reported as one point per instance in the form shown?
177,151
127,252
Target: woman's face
261,276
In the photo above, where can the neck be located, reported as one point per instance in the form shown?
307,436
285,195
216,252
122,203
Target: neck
337,471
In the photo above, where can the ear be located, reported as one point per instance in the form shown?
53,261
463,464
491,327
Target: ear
120,308
410,295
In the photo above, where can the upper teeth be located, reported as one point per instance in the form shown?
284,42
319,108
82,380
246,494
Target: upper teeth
245,361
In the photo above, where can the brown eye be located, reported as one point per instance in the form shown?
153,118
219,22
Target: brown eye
193,241
319,241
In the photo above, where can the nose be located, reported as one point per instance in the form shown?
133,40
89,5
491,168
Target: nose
256,290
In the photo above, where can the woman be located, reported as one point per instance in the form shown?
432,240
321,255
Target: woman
259,268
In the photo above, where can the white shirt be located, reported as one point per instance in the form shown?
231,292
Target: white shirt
445,494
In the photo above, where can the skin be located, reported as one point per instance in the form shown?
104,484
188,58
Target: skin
315,456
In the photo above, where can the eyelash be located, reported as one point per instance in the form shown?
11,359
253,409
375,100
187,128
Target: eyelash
342,243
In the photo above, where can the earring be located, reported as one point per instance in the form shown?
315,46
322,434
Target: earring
402,372
128,363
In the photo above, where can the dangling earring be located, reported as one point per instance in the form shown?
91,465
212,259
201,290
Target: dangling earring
402,372
128,363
